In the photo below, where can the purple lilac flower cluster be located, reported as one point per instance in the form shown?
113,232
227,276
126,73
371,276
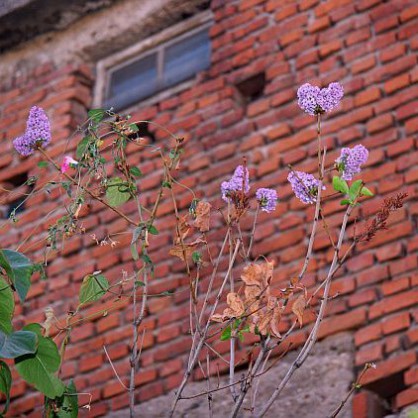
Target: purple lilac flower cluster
350,161
38,132
240,181
314,100
267,198
304,185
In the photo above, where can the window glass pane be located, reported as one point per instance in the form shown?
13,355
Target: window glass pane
186,57
133,82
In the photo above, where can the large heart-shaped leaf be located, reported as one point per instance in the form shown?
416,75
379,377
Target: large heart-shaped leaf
5,384
7,307
19,270
94,286
17,344
117,192
39,368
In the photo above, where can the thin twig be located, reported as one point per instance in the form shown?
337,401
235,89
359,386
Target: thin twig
114,369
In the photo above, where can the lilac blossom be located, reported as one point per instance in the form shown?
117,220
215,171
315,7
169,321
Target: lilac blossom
240,181
314,100
350,161
38,132
304,185
267,198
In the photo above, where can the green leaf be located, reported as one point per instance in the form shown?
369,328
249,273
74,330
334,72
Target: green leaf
114,195
226,334
366,192
153,230
94,286
19,269
82,147
354,189
67,404
134,127
39,369
136,172
196,257
43,164
135,237
345,202
148,262
340,185
96,115
138,283
166,184
7,307
5,384
17,344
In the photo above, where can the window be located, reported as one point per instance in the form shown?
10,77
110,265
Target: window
176,55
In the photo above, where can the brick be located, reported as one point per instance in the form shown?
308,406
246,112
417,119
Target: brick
389,367
406,397
338,323
394,303
320,24
395,286
369,354
396,83
396,323
409,13
369,333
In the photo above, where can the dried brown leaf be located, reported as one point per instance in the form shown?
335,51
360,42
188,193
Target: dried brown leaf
235,308
202,216
185,250
299,307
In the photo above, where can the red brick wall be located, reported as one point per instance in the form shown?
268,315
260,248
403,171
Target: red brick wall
370,46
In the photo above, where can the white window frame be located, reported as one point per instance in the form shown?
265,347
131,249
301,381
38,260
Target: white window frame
156,43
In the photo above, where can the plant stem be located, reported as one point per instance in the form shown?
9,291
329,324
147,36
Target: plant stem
98,198
307,348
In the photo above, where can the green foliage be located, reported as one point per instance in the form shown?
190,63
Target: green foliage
19,269
66,406
17,344
355,189
226,334
7,307
96,115
82,147
39,369
136,172
94,286
197,257
5,384
366,192
135,237
43,164
153,230
133,127
340,185
117,192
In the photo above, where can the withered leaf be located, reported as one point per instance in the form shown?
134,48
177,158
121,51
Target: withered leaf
183,227
258,274
184,251
298,308
235,308
202,216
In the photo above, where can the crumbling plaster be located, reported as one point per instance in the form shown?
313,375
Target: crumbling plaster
95,36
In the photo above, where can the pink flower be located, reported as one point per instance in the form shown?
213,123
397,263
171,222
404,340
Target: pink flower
67,163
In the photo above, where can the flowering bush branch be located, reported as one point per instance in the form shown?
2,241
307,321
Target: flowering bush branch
222,308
